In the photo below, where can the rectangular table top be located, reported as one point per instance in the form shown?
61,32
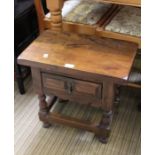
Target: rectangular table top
89,54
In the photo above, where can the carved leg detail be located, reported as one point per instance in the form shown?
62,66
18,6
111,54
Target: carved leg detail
117,95
105,124
55,8
43,111
117,98
56,21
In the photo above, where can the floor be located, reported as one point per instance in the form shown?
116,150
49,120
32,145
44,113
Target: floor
32,139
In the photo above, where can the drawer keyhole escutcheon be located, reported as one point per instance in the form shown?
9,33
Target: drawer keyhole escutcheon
69,87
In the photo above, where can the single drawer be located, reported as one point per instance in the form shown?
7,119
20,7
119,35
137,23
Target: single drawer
71,88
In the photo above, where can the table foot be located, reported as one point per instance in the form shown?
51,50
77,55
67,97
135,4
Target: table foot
105,124
103,140
46,125
44,110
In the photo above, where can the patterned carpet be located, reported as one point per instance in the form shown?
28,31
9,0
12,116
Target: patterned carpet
32,139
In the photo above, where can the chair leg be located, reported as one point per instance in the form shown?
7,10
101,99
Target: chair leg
19,78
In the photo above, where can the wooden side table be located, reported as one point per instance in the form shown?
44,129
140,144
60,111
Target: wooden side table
78,68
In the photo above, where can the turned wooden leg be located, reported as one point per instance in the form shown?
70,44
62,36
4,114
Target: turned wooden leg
117,98
107,106
43,111
55,8
117,95
105,124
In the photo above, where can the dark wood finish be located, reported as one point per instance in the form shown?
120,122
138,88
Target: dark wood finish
43,105
43,111
77,53
44,108
108,95
117,98
77,123
105,124
79,68
73,89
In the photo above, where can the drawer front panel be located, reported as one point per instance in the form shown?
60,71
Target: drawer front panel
72,87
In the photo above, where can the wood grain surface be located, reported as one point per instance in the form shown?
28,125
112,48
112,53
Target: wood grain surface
82,53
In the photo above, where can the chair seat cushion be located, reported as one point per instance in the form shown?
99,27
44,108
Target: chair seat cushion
126,21
84,12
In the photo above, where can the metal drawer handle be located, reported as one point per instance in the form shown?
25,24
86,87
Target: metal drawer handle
69,87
